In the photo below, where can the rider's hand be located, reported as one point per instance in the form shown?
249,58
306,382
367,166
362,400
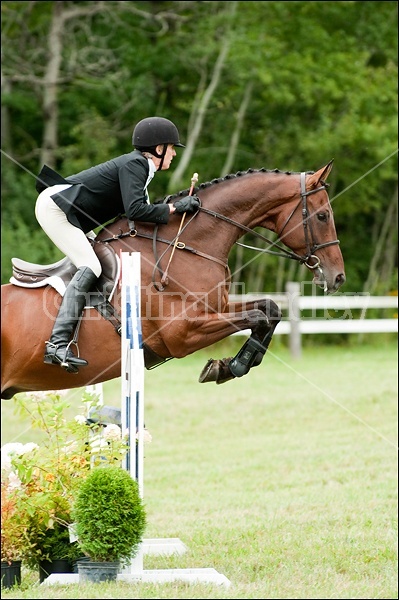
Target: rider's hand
187,204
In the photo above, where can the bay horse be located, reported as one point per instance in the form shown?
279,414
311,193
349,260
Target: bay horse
185,282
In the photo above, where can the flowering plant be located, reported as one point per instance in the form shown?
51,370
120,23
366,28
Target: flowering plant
12,529
42,479
13,522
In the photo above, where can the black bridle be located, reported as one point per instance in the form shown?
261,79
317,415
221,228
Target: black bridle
311,245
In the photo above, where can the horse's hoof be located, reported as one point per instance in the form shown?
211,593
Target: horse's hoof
208,373
216,370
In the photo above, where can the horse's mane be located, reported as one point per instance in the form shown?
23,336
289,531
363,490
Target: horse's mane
213,182
225,178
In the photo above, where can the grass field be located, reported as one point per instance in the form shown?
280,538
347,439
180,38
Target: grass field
285,481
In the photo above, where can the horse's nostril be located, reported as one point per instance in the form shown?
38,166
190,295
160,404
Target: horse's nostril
340,279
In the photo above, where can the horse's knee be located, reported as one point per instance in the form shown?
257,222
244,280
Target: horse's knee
275,314
266,316
270,309
259,323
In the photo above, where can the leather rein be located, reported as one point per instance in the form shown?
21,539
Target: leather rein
311,245
311,248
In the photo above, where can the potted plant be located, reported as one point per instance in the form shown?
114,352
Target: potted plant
109,520
12,536
50,548
48,474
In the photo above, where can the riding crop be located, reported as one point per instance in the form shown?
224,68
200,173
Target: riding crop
164,279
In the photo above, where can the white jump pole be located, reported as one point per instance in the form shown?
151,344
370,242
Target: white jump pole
132,366
132,375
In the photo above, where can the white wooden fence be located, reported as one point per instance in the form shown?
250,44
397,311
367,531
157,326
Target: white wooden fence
294,323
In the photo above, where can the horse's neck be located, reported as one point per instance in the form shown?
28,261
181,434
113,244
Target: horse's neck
255,200
250,200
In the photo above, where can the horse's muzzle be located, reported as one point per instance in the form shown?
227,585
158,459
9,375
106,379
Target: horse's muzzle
320,280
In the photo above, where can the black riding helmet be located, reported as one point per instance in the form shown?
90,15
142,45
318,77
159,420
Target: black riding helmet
153,131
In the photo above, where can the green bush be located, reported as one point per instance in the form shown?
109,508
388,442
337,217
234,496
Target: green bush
49,544
109,515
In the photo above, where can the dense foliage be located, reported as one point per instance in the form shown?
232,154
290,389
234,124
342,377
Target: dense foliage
285,85
110,517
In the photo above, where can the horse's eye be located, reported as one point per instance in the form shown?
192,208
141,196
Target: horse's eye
323,216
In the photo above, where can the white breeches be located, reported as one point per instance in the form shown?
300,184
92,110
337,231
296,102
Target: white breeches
71,240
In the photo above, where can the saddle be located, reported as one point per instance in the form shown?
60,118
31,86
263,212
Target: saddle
59,274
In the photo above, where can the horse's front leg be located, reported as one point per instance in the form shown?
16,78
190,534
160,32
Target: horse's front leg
252,352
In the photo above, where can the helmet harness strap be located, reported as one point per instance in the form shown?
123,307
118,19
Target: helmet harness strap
162,156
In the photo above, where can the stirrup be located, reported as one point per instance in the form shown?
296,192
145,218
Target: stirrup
68,367
65,359
69,355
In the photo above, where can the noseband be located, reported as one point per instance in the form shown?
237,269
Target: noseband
311,248
311,245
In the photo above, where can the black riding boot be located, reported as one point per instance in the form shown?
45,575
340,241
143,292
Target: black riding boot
57,348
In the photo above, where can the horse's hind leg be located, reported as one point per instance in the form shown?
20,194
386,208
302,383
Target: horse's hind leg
252,352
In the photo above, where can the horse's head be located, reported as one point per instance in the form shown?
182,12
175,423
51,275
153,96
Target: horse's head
309,230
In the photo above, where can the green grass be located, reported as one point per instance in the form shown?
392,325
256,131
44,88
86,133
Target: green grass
284,480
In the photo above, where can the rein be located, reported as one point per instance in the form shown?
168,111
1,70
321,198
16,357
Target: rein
311,245
283,252
287,253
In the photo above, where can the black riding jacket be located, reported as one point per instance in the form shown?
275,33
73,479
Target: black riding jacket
106,191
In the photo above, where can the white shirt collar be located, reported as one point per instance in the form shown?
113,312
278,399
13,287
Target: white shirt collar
151,173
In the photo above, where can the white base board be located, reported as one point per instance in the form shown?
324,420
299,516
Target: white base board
164,546
154,546
151,576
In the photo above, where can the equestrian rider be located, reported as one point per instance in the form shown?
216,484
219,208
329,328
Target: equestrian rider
69,209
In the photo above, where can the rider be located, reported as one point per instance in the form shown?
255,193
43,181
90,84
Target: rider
69,209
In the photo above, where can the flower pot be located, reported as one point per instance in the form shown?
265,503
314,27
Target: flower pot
77,561
10,573
96,572
46,567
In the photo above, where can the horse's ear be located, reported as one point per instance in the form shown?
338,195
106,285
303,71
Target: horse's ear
320,175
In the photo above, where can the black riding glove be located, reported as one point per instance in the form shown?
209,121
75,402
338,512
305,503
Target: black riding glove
187,204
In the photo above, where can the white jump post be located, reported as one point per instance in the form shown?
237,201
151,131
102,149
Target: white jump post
132,375
132,364
132,417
